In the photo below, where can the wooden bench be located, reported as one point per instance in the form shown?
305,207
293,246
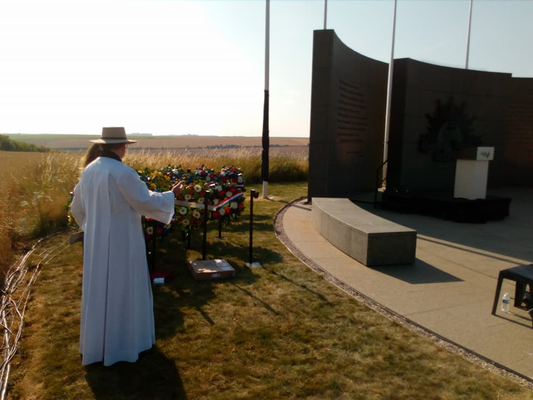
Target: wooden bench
371,240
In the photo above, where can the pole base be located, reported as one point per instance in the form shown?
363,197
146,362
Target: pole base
255,264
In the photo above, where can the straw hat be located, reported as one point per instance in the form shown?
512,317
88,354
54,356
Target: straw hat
113,135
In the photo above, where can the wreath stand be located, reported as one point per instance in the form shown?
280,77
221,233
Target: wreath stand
211,269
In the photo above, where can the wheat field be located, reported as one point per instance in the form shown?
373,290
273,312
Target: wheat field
176,144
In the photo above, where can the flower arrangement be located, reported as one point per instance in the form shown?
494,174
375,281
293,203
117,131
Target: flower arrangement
226,198
157,181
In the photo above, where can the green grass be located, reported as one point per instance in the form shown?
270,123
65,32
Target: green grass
276,332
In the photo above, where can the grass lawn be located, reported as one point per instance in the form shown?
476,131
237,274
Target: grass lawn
277,332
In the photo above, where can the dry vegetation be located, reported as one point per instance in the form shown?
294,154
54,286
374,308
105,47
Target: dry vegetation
33,193
16,165
177,144
37,186
278,332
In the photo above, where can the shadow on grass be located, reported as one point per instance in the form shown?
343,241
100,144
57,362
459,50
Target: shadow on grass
261,223
184,292
241,255
250,294
320,296
214,230
153,376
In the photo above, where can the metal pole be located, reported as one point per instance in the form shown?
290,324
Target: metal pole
153,251
325,14
389,95
267,45
206,218
252,195
186,238
468,34
266,140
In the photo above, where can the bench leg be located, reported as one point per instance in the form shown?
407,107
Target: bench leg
519,294
497,296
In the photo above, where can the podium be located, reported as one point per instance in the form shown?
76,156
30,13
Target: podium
471,173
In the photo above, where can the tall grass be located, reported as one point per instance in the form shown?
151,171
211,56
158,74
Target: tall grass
43,194
33,197
6,225
283,167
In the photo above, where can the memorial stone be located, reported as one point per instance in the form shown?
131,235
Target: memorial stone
436,113
347,118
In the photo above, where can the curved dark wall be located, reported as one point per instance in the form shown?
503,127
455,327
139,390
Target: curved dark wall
519,144
347,118
437,114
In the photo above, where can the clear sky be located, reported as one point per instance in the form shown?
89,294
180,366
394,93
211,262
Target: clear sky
197,67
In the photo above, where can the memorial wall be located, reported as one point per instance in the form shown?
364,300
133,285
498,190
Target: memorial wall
347,118
519,144
438,114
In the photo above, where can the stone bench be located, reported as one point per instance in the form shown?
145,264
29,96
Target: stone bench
369,239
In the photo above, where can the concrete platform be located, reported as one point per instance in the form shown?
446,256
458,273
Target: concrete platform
449,290
370,239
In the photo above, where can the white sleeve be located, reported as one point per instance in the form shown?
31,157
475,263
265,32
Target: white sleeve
158,206
77,209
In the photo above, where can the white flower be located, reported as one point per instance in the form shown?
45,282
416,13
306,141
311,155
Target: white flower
188,197
216,201
196,214
150,230
229,194
185,222
201,200
168,226
233,205
222,211
218,188
197,188
183,210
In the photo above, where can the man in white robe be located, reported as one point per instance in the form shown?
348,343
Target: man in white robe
117,319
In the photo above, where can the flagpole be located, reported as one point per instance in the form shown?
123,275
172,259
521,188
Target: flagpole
389,95
325,14
265,139
468,34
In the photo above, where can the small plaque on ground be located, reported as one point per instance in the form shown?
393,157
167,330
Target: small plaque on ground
211,269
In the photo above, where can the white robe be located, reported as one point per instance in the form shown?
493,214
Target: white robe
117,319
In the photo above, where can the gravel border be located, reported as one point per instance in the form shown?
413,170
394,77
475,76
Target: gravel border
392,315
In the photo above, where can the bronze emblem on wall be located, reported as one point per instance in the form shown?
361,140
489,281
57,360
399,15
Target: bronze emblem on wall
449,130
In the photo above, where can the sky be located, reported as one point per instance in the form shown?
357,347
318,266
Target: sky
197,67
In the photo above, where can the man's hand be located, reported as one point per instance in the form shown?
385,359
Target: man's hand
177,189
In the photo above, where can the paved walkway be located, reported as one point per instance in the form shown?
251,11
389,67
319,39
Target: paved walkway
450,288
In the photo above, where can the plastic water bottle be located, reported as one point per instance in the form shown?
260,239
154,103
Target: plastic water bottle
505,302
